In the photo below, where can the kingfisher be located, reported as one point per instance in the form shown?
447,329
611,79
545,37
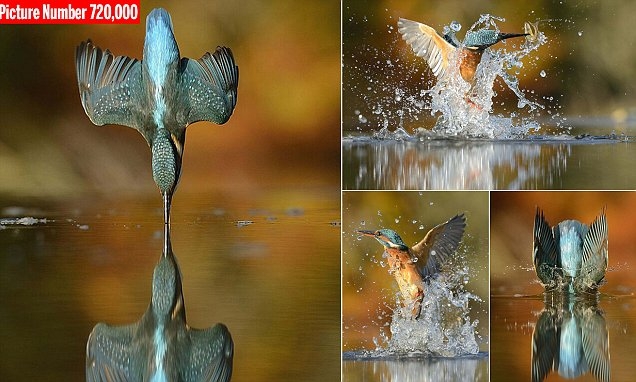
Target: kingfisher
571,339
160,346
158,96
413,267
437,49
572,255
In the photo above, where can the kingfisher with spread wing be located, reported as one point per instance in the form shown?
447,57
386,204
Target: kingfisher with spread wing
437,49
413,266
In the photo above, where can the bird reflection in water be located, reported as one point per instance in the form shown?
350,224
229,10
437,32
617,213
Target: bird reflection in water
160,346
571,339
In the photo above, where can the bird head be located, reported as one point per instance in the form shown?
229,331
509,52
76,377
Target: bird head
167,296
165,284
483,38
388,238
167,153
160,46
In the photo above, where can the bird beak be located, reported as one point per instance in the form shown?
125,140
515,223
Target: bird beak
367,233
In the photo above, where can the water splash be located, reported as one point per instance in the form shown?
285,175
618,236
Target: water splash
466,109
390,97
444,327
27,221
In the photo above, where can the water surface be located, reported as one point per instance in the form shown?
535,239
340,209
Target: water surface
397,369
514,321
265,263
546,163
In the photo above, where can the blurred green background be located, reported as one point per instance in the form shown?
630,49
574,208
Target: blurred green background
588,60
285,129
368,290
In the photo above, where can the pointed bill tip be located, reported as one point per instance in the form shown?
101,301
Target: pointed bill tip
158,16
158,13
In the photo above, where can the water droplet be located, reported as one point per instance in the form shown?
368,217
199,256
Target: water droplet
542,73
455,26
580,33
398,96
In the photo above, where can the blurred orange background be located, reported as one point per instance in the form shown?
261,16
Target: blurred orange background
285,129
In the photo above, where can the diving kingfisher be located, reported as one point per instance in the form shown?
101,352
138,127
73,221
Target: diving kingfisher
158,96
571,254
160,346
437,49
412,267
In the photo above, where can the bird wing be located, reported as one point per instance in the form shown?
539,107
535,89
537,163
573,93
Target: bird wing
594,262
210,85
108,354
110,86
545,344
545,254
438,245
211,354
595,340
426,43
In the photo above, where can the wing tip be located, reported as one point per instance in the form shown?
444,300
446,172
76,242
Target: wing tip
228,68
